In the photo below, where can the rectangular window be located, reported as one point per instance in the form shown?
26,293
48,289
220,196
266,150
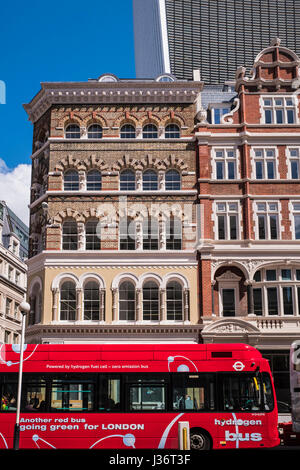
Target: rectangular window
225,163
297,226
261,227
221,227
272,301
33,394
271,274
227,220
279,110
267,221
287,300
241,393
265,163
228,300
193,392
8,307
110,393
69,393
146,393
257,299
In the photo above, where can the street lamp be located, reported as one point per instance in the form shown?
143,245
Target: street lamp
24,309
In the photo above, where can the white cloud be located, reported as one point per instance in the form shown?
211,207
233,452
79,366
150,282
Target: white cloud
15,188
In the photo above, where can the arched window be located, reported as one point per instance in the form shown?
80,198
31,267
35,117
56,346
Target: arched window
150,131
71,180
127,132
173,234
127,180
92,235
150,180
72,131
150,234
91,301
150,301
68,301
127,301
95,131
172,131
94,181
173,182
127,234
174,301
69,235
35,301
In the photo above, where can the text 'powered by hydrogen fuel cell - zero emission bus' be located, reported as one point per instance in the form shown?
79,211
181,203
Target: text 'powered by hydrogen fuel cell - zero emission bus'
135,396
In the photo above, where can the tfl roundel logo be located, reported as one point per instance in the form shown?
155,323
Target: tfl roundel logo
238,366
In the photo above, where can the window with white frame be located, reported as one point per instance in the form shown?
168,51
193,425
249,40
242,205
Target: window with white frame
217,112
227,220
296,220
277,291
225,164
293,155
267,218
279,110
264,163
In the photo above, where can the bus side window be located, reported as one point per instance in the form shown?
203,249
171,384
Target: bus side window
8,391
267,392
193,393
110,391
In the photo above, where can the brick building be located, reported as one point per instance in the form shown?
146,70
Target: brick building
248,175
123,156
115,157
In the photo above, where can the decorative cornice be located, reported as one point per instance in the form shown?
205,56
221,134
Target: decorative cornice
94,92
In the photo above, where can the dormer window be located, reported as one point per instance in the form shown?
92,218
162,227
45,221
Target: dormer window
217,111
278,110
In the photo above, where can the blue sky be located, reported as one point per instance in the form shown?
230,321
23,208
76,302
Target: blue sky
55,41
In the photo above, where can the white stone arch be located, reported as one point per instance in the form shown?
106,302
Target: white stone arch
124,277
175,277
60,278
230,325
230,264
84,278
149,277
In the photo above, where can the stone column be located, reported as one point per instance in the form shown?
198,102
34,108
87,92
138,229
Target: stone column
102,304
139,306
79,309
163,305
161,181
55,296
162,234
186,293
250,297
213,283
82,180
81,236
139,180
115,293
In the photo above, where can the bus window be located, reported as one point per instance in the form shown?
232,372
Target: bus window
71,394
194,393
109,393
147,393
9,394
241,393
268,392
33,394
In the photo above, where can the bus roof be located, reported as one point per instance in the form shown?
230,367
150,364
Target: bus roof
131,358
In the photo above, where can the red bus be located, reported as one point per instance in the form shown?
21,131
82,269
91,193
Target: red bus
134,396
